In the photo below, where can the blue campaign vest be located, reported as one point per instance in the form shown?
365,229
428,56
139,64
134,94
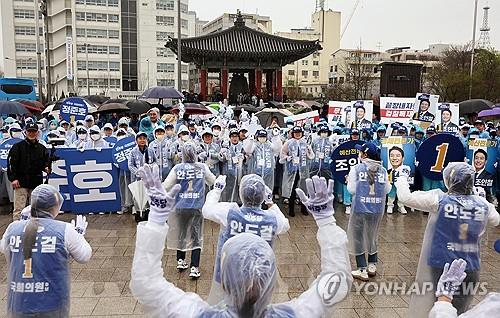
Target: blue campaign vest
262,159
246,220
321,148
191,177
47,288
297,149
273,311
460,222
369,199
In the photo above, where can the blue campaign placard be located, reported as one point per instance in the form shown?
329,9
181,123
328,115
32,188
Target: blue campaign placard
343,158
4,150
397,151
93,181
73,109
482,155
58,177
121,152
111,140
436,152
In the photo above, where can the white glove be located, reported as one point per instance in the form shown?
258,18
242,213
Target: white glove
98,149
451,279
320,200
81,224
203,156
269,196
477,191
81,149
220,183
26,213
161,203
403,171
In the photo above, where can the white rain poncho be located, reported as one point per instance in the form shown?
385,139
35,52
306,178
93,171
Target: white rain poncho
38,252
295,157
248,282
456,223
320,165
249,218
261,161
487,308
368,184
186,222
232,158
158,149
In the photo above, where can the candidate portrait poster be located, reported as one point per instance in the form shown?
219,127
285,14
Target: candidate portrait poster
361,114
447,118
396,109
398,151
336,112
425,109
481,154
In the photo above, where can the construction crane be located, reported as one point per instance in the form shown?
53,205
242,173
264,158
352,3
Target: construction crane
349,19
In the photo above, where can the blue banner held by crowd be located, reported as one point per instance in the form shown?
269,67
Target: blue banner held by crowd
343,158
58,177
121,152
73,109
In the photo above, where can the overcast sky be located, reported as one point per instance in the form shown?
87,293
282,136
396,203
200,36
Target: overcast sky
376,23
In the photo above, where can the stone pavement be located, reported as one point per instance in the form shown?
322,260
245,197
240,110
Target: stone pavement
100,288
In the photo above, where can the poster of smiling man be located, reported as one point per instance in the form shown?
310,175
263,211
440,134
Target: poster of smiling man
397,152
481,154
425,109
448,118
362,111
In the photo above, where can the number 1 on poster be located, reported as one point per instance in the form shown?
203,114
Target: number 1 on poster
441,156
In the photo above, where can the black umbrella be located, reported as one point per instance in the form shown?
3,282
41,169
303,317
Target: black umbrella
10,107
194,109
97,99
247,107
161,92
138,106
115,100
474,106
266,115
112,107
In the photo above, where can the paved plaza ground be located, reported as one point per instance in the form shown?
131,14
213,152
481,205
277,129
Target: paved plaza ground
100,288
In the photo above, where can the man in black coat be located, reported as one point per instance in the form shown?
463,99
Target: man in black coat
26,163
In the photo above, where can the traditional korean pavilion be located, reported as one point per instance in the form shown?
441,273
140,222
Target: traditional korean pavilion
242,50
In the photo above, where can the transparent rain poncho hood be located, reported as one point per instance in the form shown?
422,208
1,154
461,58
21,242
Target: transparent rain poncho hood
189,153
252,190
248,274
46,201
458,178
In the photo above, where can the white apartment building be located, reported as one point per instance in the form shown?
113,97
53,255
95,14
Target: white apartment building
345,64
225,21
96,46
311,74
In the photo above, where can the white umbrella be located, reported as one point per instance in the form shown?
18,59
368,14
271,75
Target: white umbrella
139,193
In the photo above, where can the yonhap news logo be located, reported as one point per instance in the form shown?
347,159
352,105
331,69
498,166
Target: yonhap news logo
332,288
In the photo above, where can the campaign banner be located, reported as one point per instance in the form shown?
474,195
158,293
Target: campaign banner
339,139
121,152
425,109
397,151
111,140
396,109
336,111
5,147
58,177
360,116
343,158
92,181
448,118
301,119
73,109
436,152
482,155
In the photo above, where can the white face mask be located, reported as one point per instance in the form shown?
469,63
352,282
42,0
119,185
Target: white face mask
52,127
82,136
120,136
323,135
95,137
6,135
160,137
17,134
169,133
262,139
185,137
216,132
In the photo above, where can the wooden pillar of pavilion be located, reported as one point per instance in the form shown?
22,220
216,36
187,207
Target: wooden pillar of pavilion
279,85
203,84
251,82
269,83
224,82
258,82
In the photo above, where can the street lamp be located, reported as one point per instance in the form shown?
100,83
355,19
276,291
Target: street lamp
148,72
179,58
87,67
473,49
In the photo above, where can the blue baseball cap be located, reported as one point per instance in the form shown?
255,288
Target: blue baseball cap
370,149
354,131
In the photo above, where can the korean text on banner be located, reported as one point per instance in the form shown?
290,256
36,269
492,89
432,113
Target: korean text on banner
301,119
73,109
396,109
336,111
